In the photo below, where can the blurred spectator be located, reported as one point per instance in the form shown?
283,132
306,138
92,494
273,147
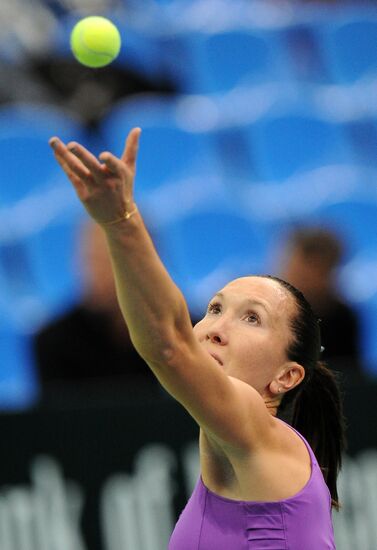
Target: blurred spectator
25,33
311,258
84,7
89,94
90,343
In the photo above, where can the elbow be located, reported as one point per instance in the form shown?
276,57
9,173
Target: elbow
164,351
168,355
172,355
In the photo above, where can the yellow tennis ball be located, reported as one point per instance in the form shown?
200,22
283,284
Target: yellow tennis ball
95,41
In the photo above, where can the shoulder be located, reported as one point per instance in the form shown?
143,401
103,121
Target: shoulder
260,425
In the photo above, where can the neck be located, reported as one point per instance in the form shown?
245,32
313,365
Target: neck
272,405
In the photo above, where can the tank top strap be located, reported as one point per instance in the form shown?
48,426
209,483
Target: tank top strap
310,450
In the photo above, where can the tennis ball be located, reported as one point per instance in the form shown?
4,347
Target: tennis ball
95,41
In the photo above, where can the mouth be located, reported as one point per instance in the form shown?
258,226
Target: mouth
216,358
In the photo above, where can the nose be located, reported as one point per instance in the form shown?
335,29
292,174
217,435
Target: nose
217,335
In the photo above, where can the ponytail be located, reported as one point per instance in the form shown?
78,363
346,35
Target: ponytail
317,413
314,407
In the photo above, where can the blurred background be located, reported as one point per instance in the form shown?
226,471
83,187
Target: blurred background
258,155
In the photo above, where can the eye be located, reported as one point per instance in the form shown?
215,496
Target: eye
253,318
214,308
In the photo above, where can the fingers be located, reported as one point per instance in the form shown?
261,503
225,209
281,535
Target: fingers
112,163
131,148
67,160
87,158
116,165
73,168
85,170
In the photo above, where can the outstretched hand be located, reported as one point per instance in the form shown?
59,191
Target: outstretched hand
104,185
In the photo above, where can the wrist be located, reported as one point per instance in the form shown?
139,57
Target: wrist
130,210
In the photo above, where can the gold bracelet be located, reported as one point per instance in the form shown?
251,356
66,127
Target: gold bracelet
126,216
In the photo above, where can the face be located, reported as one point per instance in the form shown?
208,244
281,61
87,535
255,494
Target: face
246,328
311,275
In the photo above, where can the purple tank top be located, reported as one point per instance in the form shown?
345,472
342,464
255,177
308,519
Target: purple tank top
301,522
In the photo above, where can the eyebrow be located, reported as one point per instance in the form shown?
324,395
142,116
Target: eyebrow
249,301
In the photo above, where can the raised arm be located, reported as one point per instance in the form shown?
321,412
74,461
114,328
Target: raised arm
154,308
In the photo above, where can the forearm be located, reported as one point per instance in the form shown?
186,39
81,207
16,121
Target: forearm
152,305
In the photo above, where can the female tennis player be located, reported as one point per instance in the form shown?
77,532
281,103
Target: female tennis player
264,484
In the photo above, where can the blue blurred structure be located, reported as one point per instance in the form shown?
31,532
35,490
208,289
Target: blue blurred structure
295,140
274,124
170,149
217,61
37,209
37,234
18,382
354,220
210,246
362,135
348,46
27,167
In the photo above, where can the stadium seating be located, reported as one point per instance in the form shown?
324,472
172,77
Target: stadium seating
295,140
170,149
215,62
38,213
274,125
348,46
208,247
24,134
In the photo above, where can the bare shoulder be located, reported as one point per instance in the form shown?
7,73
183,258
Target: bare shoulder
274,471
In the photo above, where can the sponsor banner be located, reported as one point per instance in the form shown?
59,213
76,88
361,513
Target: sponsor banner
114,473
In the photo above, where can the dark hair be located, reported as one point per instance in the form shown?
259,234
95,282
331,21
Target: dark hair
315,406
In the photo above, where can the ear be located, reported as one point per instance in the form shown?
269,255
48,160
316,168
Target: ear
289,376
